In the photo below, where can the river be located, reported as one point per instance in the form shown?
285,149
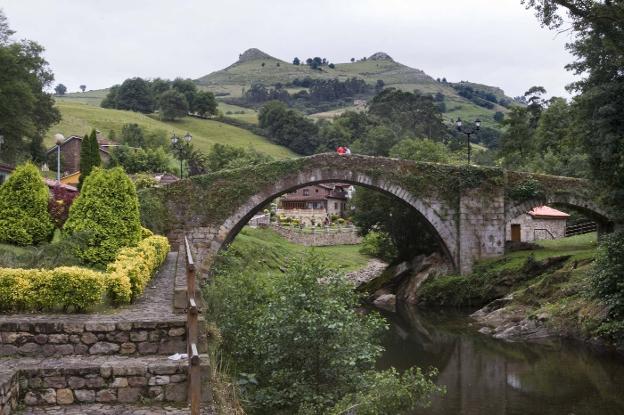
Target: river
486,376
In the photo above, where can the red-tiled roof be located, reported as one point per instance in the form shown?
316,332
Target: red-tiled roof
548,213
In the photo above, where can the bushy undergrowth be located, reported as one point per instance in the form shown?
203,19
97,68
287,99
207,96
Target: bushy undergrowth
608,275
299,346
378,244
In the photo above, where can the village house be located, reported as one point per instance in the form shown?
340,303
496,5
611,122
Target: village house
315,202
542,222
70,154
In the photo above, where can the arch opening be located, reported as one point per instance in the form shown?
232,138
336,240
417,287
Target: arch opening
437,227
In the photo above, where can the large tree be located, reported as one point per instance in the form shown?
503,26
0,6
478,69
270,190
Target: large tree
599,50
134,94
26,111
172,104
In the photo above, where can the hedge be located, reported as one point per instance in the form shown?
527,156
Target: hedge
50,289
134,267
78,289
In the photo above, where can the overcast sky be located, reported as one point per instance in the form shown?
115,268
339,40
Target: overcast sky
100,43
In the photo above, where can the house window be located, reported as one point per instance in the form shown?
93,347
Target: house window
306,192
316,190
336,206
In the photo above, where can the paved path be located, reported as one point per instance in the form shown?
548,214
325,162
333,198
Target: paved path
155,304
102,409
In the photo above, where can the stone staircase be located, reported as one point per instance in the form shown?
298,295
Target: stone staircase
106,362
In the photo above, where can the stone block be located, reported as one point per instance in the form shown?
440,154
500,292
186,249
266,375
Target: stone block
164,369
58,338
76,382
30,349
156,393
148,348
8,350
55,382
104,348
159,380
81,349
64,396
138,336
64,349
100,326
41,338
74,338
177,378
106,395
177,332
128,348
124,326
9,337
106,371
94,382
175,392
30,399
47,396
88,338
137,381
120,383
73,328
127,395
116,337
84,395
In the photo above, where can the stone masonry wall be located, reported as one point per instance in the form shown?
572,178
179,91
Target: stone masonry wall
9,393
38,338
320,237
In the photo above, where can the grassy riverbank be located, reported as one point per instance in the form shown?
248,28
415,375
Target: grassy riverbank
549,285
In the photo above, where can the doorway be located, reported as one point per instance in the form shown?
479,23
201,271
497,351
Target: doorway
515,233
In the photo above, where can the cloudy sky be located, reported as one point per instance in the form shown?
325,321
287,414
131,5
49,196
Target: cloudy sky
100,43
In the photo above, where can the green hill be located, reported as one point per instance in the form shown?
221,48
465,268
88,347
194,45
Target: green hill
255,66
79,118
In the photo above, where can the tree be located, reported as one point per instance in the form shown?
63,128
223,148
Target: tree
421,150
172,104
332,66
352,60
132,135
598,47
205,103
110,100
158,86
188,88
83,87
302,339
26,111
107,213
379,85
60,89
134,94
288,128
499,117
296,61
517,140
24,217
89,156
139,160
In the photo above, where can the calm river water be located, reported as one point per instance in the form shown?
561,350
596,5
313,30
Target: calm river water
484,376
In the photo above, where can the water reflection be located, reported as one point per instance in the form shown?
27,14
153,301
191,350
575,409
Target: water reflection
487,376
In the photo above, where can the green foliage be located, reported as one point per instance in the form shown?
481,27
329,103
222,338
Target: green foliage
144,181
108,211
379,244
421,150
133,94
26,111
204,103
288,128
390,393
24,217
303,341
60,89
134,267
172,104
65,288
89,156
608,276
138,160
526,190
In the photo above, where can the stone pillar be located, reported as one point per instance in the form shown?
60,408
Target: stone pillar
481,226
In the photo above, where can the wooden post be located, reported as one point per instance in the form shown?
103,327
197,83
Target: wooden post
192,334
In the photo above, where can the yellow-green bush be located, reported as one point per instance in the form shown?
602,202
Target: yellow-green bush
134,267
50,289
77,289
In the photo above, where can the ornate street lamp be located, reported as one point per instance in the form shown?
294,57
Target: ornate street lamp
59,140
178,146
468,131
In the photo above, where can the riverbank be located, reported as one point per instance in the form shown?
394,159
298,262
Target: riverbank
531,295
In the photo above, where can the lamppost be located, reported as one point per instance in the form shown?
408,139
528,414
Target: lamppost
59,140
468,132
178,146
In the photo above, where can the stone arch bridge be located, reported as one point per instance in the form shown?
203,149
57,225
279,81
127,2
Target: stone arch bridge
466,207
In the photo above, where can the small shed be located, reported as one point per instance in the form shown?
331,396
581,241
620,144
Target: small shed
541,222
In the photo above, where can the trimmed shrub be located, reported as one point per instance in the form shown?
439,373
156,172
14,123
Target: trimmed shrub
108,211
146,233
134,267
59,288
24,217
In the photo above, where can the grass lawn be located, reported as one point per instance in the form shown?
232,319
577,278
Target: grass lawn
81,118
264,250
578,246
248,115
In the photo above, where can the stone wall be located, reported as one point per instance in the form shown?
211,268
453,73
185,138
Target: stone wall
45,338
532,229
320,236
104,380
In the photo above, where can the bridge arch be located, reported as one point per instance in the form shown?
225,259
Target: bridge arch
441,227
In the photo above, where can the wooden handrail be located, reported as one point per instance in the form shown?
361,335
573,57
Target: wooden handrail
192,334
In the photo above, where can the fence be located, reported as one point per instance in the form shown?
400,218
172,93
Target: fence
192,333
581,228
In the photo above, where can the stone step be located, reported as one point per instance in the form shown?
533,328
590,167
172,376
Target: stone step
95,379
105,409
71,335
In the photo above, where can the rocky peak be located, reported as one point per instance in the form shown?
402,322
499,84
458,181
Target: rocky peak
253,54
380,56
